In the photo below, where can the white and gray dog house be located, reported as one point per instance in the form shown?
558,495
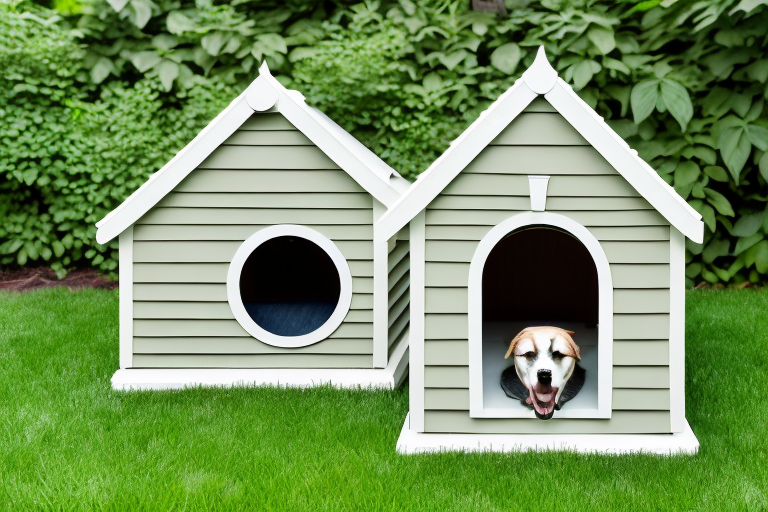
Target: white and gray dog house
249,258
540,214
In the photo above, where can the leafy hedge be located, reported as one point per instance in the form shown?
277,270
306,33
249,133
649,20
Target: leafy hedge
71,151
684,82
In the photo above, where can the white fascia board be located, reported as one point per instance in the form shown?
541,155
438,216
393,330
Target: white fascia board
171,174
359,162
461,153
626,161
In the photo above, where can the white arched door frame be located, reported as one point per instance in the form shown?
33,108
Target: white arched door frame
605,316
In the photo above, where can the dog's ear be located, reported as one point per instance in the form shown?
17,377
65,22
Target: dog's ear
576,351
512,344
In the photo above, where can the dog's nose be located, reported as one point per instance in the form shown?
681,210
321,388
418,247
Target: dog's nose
545,376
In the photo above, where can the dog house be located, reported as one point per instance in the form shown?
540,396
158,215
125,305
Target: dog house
249,258
539,214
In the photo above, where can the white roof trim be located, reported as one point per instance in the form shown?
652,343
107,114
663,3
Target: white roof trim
264,93
541,78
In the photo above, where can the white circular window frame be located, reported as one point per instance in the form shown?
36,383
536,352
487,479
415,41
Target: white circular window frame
236,301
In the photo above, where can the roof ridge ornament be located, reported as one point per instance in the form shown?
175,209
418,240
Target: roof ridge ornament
261,96
541,77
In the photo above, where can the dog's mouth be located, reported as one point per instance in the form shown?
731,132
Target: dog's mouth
543,399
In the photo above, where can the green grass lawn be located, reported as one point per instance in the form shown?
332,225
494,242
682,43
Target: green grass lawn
67,441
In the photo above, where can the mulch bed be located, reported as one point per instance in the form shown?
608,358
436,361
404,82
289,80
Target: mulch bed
25,279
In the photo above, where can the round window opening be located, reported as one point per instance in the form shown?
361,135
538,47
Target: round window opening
289,286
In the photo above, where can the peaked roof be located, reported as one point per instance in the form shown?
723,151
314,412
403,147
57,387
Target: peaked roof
542,79
264,93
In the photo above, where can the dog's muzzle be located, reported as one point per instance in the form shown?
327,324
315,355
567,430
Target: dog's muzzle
543,395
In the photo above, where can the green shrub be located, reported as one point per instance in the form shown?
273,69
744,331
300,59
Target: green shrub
684,84
72,152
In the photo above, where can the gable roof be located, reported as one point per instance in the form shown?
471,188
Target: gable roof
264,93
541,79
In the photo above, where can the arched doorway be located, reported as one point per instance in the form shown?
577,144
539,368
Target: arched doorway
539,269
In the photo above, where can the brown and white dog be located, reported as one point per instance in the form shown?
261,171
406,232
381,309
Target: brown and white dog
545,358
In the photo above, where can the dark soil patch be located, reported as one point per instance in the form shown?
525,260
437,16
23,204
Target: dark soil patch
24,279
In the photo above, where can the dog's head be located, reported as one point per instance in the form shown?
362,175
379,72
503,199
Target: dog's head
544,359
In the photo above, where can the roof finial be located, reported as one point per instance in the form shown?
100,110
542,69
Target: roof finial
264,69
541,76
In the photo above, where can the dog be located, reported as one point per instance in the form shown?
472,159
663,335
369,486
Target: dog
545,361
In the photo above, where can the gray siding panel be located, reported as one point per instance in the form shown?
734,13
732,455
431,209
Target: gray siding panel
625,422
585,218
641,399
213,311
641,301
548,129
268,181
539,104
644,352
554,161
267,122
446,275
332,200
447,352
245,345
267,216
640,276
514,204
517,185
616,252
210,272
150,232
225,328
222,251
446,377
268,157
623,399
267,138
636,377
628,233
446,300
445,327
641,327
252,361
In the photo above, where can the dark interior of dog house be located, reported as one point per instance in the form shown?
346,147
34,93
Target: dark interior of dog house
289,286
538,276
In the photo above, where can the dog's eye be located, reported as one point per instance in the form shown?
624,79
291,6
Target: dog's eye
529,355
557,354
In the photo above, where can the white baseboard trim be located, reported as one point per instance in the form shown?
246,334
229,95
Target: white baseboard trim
411,442
180,378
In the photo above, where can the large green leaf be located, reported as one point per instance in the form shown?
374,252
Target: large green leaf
758,136
602,38
643,99
735,147
167,70
747,224
583,73
763,164
213,42
102,69
742,244
719,201
145,61
118,5
178,23
506,57
677,101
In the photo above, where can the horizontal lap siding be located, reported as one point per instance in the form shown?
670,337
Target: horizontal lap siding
398,285
266,173
633,235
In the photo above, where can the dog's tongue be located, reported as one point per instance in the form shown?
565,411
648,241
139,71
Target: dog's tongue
543,398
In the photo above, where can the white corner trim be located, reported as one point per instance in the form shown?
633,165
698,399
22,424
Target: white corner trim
380,295
460,154
541,76
260,95
605,315
125,274
626,161
416,334
236,302
538,189
677,329
684,442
